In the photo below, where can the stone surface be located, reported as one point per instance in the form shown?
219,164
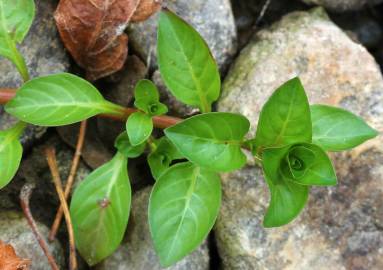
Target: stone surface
213,19
44,55
14,230
343,5
137,251
341,227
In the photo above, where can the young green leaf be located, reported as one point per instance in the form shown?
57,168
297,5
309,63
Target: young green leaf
183,207
211,140
186,64
160,159
335,129
285,117
11,152
16,18
139,127
124,146
287,198
57,100
147,98
100,210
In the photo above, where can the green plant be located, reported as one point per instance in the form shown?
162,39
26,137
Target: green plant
290,144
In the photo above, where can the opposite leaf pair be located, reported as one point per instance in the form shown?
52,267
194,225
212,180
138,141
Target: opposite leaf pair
291,139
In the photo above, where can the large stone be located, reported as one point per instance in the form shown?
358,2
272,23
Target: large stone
343,5
137,251
341,227
44,54
213,19
15,230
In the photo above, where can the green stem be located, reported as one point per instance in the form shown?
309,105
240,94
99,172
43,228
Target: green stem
19,62
18,129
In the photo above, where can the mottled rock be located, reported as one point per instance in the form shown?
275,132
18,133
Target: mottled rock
213,19
341,228
44,54
137,251
15,230
343,5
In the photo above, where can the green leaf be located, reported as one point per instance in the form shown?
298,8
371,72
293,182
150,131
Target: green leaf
285,117
160,159
16,18
139,127
147,98
211,140
11,152
100,210
183,207
335,129
57,100
124,146
186,63
287,199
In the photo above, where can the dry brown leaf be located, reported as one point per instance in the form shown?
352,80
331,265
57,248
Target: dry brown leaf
93,31
9,260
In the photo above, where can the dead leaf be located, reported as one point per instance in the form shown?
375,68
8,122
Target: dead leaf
93,31
9,260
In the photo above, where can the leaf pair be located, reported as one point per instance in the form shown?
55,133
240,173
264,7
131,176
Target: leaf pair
140,124
292,137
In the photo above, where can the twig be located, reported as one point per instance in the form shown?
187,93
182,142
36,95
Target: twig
70,180
263,11
163,121
25,195
51,158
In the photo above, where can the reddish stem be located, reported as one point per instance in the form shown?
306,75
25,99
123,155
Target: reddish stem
163,121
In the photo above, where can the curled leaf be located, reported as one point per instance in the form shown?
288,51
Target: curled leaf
93,31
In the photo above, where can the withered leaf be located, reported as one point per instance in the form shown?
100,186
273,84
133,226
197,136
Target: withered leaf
93,31
9,260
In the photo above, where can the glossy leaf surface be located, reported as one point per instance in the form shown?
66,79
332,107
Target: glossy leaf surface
336,129
211,140
285,117
183,208
139,127
100,210
287,199
186,63
56,100
147,98
11,152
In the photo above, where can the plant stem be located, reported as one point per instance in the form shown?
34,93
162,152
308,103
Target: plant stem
25,195
52,162
70,180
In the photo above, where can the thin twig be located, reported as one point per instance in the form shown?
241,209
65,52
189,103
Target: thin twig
70,180
52,162
163,121
25,195
263,12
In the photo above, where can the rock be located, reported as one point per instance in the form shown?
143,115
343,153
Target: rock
44,55
137,251
213,20
176,107
341,227
343,5
14,230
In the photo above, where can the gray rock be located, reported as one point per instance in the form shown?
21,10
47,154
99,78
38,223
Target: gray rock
44,54
137,251
343,5
213,20
341,227
14,230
